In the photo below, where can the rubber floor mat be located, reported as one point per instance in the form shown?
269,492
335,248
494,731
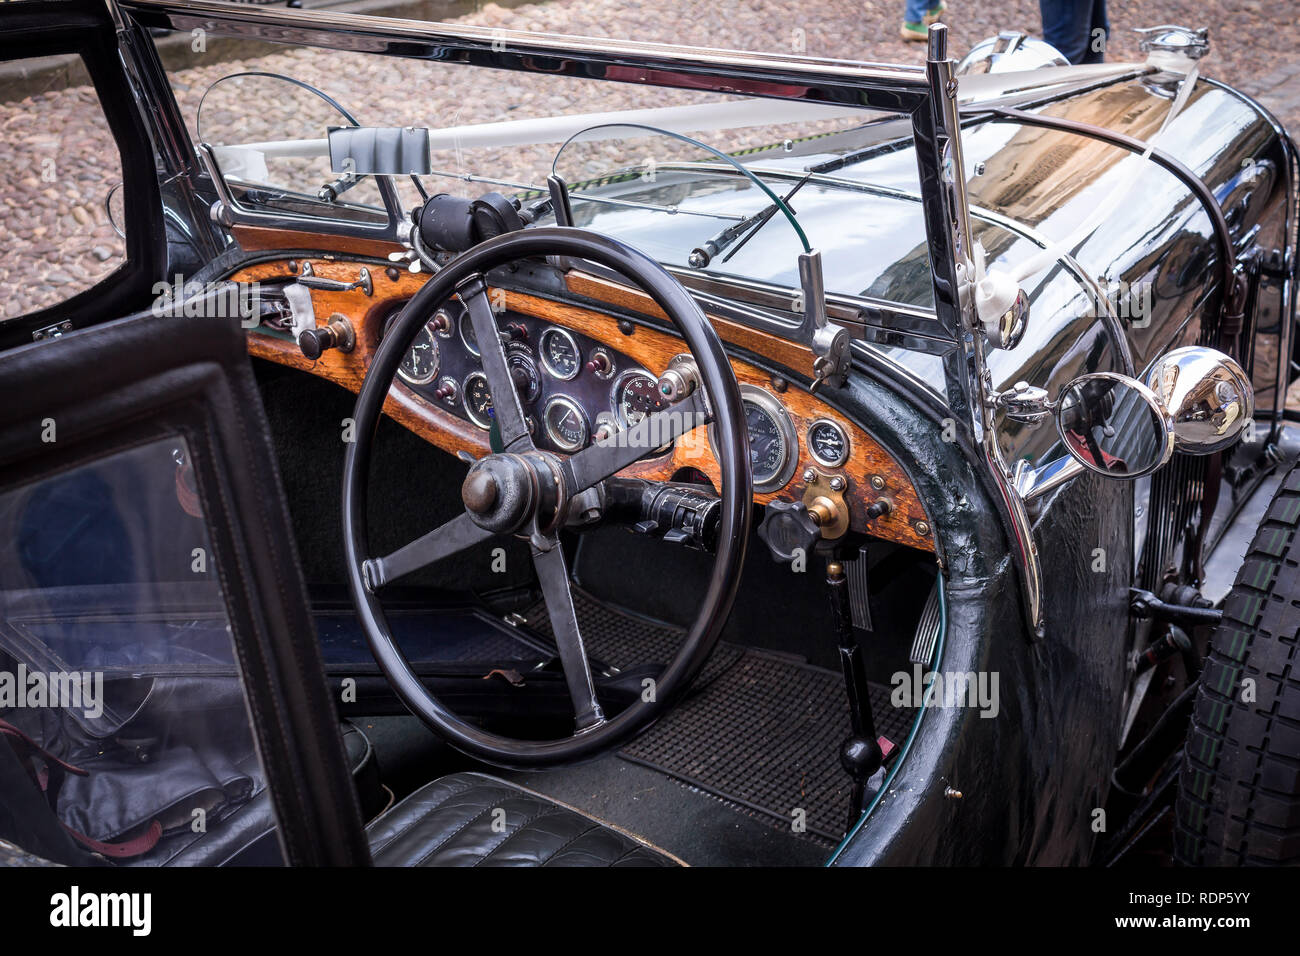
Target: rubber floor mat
622,639
765,736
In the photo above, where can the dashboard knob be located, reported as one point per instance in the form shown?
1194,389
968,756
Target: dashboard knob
315,342
789,530
336,335
599,363
516,332
441,322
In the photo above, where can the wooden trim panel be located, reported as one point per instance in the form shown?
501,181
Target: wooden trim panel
650,347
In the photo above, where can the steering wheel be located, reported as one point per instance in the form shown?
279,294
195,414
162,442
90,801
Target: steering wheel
525,491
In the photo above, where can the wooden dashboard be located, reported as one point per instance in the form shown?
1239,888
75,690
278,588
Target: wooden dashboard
869,471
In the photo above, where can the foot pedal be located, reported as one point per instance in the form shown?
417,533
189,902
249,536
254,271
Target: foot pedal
859,591
927,630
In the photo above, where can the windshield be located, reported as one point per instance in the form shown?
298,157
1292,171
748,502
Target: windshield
683,202
726,186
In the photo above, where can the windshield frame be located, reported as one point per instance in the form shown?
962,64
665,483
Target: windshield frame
925,96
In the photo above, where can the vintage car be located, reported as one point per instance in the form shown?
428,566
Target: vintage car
429,444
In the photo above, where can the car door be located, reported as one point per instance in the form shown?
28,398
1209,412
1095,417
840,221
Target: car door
162,698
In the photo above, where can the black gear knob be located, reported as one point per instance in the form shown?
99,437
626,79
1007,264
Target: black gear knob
789,530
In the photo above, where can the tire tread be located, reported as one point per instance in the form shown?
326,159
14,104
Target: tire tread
1238,796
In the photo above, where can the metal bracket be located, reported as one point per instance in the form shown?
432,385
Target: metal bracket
830,343
823,496
57,330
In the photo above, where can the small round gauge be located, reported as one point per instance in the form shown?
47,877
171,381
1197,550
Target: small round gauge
566,424
419,365
560,354
634,396
467,334
478,399
523,370
828,443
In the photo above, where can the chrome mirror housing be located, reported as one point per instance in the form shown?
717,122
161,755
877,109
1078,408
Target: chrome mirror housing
1207,395
1193,400
1114,425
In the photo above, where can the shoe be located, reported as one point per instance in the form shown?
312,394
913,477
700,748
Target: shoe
935,14
914,31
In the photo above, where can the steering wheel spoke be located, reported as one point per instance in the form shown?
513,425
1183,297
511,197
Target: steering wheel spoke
608,457
506,407
553,574
442,542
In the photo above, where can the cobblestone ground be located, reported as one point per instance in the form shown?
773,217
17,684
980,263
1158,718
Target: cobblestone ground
54,148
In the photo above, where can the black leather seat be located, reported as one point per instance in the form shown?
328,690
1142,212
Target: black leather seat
470,819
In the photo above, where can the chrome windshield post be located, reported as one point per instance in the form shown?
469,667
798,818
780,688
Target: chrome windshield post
971,389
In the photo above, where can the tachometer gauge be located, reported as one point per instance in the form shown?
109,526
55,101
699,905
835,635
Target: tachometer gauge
566,424
420,364
773,445
560,354
634,396
478,399
828,443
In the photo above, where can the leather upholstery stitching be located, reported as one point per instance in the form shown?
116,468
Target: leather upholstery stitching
544,812
568,843
419,816
628,852
452,835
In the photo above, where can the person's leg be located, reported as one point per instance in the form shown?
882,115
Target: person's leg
1066,26
914,11
1098,33
914,20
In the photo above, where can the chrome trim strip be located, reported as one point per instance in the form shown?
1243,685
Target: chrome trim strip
878,85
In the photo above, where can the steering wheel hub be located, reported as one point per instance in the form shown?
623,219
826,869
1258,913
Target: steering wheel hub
506,493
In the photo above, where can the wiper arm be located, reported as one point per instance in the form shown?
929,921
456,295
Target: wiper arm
331,192
702,255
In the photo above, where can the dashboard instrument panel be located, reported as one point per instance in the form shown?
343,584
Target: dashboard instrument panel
579,372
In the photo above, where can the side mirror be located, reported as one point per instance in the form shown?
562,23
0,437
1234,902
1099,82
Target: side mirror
1194,400
1114,425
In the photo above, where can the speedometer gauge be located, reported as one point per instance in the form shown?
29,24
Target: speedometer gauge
768,450
773,445
420,364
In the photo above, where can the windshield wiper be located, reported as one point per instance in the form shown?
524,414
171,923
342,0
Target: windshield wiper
702,255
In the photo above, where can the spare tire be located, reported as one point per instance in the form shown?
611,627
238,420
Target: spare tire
1238,797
